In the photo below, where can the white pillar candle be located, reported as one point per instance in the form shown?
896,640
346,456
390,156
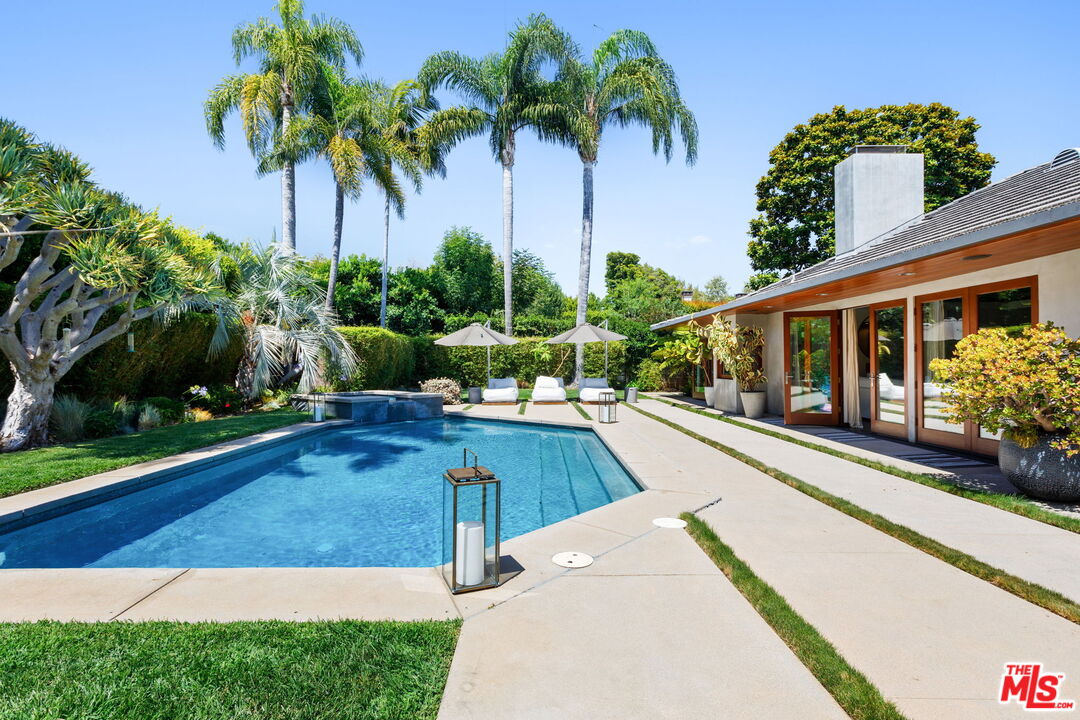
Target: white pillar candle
470,552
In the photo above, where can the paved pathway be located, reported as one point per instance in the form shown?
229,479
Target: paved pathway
1026,548
597,644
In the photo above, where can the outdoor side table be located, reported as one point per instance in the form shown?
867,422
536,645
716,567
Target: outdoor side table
476,396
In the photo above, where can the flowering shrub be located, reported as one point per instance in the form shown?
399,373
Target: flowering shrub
1022,384
450,390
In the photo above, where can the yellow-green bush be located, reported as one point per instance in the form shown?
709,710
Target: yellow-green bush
384,359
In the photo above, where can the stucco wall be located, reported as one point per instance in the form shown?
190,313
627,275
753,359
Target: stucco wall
1059,301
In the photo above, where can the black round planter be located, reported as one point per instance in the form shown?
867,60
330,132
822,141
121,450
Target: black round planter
1040,470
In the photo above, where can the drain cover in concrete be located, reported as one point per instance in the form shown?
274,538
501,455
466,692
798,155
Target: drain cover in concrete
669,522
572,559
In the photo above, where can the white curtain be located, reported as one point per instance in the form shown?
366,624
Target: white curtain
850,332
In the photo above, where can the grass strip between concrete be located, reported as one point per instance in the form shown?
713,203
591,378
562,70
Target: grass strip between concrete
467,407
1010,503
581,411
1032,592
852,691
521,408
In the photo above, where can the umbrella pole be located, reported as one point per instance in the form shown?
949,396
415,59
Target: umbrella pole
605,352
489,361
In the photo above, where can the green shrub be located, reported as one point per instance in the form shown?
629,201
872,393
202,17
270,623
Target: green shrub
68,418
219,400
650,376
102,423
385,360
171,411
149,418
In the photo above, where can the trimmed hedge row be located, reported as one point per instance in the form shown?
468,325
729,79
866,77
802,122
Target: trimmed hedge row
389,360
166,362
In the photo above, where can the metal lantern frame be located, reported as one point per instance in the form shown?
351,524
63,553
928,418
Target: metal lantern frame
466,479
318,406
607,403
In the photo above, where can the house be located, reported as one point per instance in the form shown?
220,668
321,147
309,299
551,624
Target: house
850,340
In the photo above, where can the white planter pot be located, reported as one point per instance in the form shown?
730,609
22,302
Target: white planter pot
753,403
710,396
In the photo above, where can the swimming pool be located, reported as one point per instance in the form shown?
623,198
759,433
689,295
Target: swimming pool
352,496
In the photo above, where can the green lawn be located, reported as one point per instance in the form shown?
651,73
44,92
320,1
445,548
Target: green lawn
346,670
22,471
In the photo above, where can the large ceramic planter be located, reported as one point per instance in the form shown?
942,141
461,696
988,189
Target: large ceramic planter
1040,470
753,403
631,394
710,396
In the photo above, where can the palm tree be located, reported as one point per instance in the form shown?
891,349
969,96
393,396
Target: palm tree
507,92
342,127
280,311
399,114
290,56
626,82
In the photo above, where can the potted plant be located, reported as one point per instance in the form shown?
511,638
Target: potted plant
739,348
687,349
1024,383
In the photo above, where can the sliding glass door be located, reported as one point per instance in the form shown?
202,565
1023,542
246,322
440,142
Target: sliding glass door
888,368
943,320
811,368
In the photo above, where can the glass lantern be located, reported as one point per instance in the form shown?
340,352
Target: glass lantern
318,407
607,406
471,512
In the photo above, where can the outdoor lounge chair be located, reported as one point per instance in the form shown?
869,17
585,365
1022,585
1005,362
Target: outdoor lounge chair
591,389
549,390
501,391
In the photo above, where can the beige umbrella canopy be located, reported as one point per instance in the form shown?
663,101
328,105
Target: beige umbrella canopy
588,333
477,335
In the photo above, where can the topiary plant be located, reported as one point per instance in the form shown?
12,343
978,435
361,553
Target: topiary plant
1024,384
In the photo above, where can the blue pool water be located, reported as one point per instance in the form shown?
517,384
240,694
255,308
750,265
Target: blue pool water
353,496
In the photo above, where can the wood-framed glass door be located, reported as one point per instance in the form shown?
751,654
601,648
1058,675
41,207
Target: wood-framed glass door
888,368
942,320
812,367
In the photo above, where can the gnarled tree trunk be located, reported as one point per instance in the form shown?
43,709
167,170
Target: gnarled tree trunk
29,406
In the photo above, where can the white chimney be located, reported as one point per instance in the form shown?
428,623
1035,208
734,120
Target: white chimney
877,188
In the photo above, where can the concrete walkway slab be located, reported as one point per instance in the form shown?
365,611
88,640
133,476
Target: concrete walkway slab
1026,548
82,594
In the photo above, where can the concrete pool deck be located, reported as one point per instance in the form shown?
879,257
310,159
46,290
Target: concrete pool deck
652,628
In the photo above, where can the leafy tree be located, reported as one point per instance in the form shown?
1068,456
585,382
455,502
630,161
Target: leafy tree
535,289
507,92
625,82
415,308
795,197
716,290
647,295
77,257
620,266
464,271
356,298
291,55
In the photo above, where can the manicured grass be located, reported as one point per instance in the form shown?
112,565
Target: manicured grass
521,408
581,411
31,469
854,693
1032,592
345,670
1017,504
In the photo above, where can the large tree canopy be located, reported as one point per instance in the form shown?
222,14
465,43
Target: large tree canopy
795,197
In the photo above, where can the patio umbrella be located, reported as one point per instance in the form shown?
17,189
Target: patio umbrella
588,333
477,335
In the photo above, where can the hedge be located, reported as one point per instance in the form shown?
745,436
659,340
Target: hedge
388,360
166,362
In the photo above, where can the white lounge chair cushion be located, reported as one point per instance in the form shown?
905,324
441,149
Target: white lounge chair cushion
591,389
548,389
500,394
502,383
594,383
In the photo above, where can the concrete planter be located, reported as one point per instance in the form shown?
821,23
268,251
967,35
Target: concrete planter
710,396
1040,470
753,403
631,394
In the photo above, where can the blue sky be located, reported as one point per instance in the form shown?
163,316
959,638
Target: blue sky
122,84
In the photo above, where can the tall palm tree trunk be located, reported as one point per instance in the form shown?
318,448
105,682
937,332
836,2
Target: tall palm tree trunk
335,249
385,261
288,179
508,233
585,266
